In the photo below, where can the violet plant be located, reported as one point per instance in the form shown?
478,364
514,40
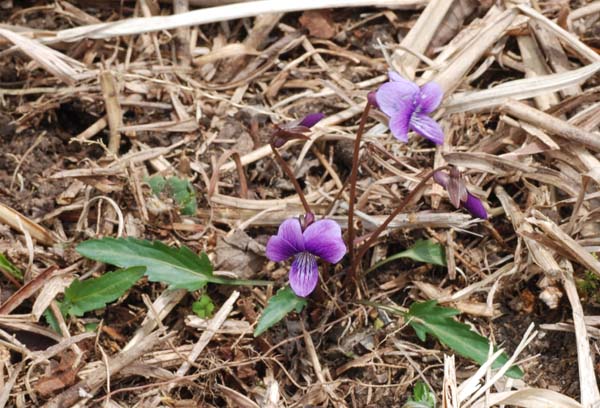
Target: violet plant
305,240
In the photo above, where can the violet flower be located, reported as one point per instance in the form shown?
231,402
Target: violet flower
459,195
321,239
408,107
296,129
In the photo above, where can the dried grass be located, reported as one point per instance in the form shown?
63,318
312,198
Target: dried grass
143,90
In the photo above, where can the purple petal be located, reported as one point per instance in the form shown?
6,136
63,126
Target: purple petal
400,122
304,274
324,239
441,178
427,127
287,243
475,207
430,97
394,76
391,96
311,119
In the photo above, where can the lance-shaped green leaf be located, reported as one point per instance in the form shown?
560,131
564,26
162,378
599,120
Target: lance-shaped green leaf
284,301
9,268
91,294
429,318
424,250
180,268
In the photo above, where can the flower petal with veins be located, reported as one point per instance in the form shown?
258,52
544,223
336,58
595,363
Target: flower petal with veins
427,127
304,274
288,241
324,239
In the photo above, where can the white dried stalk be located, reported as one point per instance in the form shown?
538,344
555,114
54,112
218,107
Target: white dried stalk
461,40
519,89
134,26
565,242
529,398
473,383
540,255
592,8
419,37
449,391
536,66
570,39
587,376
215,323
49,291
64,68
529,335
450,77
551,124
507,269
163,305
488,163
16,220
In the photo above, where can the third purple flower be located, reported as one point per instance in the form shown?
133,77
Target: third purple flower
321,239
408,107
459,195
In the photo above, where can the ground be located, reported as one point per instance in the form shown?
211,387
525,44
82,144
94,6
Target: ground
185,102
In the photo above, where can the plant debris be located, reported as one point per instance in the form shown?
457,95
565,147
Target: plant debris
173,138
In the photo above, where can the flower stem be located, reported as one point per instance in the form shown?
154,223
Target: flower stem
351,277
288,172
372,237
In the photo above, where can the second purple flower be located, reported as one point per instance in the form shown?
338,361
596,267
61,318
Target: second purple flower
408,107
322,239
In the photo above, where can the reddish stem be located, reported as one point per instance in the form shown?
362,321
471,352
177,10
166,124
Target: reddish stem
288,172
372,237
351,277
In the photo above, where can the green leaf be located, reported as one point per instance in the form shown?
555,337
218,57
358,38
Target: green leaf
91,294
425,250
183,193
180,268
428,317
157,184
284,301
51,319
9,268
91,327
422,397
203,307
181,190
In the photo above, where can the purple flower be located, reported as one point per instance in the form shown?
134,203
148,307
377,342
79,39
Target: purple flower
459,195
311,119
296,129
408,107
321,239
